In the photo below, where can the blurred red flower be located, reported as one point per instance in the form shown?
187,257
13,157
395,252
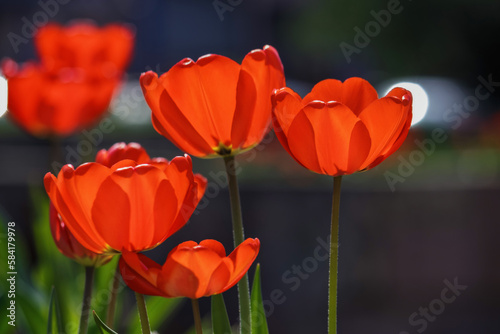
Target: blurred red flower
45,103
214,106
127,206
341,128
191,270
80,67
106,50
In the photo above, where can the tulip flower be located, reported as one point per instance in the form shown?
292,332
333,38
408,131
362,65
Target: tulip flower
127,206
122,151
214,106
341,128
191,270
84,45
48,104
69,246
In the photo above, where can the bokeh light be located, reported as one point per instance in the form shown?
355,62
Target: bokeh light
3,95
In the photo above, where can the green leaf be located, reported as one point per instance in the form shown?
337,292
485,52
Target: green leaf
51,303
103,328
220,319
259,321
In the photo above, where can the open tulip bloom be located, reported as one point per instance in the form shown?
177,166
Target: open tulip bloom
214,106
127,206
340,128
191,270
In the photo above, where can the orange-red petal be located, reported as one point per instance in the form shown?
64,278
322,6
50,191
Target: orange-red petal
140,273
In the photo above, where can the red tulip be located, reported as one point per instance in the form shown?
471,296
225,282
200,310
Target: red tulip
127,206
214,106
59,104
341,128
122,151
69,246
191,270
84,45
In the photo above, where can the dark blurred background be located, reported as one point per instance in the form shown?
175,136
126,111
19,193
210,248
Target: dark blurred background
420,222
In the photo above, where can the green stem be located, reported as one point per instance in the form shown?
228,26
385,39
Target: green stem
334,257
239,237
110,316
197,316
143,313
87,297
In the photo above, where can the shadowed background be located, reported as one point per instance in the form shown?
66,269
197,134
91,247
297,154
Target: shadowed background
424,217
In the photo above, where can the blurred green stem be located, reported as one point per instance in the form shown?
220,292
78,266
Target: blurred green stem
110,316
87,297
143,313
197,316
334,257
239,237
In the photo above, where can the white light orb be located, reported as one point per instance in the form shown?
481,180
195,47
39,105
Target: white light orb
3,95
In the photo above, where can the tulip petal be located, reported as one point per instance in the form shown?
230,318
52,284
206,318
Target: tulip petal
215,246
385,119
240,260
73,195
355,93
205,93
188,270
140,273
169,120
189,189
286,105
246,110
330,125
253,113
131,198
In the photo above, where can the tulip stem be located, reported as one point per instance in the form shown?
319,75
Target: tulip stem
239,237
87,297
334,257
110,316
143,313
197,316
